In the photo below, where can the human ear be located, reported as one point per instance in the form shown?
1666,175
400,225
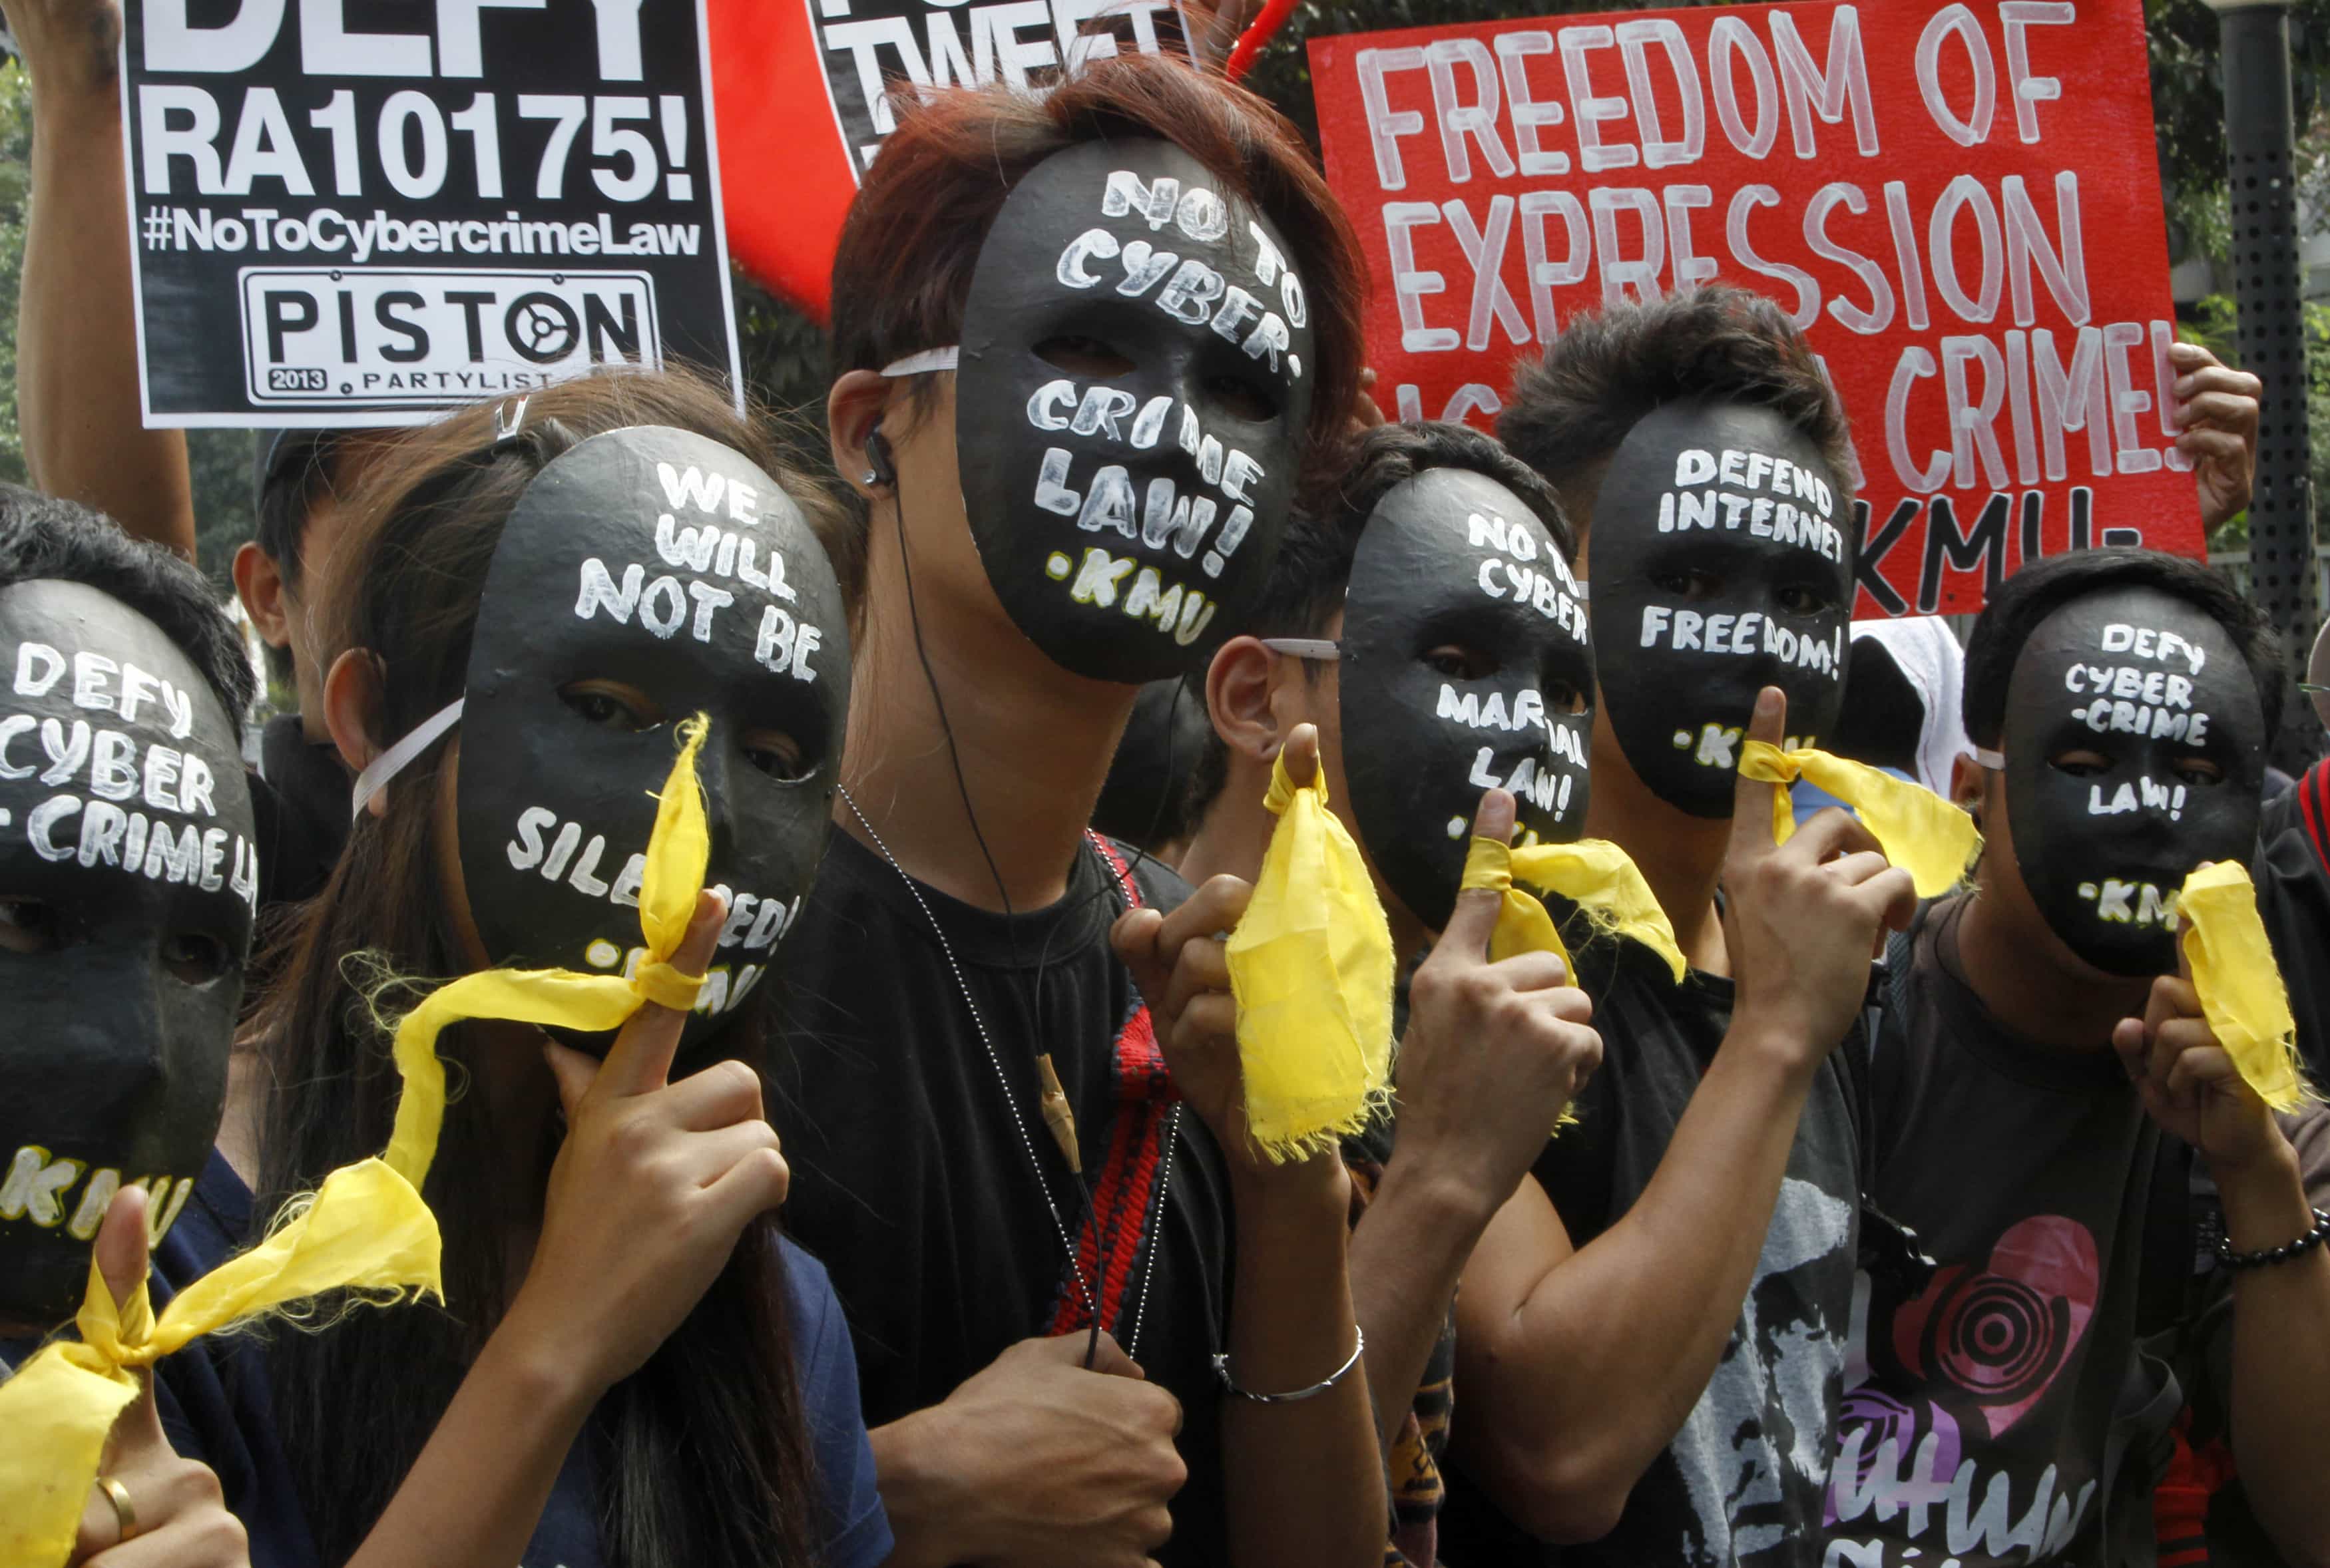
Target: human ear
352,713
1969,785
258,583
1239,699
853,412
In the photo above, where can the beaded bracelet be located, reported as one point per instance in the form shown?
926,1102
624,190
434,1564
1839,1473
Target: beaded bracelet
1222,1371
2281,1254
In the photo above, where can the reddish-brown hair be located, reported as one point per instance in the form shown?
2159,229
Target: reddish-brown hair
903,272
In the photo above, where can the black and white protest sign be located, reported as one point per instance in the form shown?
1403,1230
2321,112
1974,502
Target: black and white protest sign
360,211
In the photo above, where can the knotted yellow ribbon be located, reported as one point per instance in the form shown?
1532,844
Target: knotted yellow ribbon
1310,966
2240,986
366,1228
1926,836
1593,874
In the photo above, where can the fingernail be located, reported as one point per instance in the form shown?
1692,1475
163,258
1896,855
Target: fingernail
1768,702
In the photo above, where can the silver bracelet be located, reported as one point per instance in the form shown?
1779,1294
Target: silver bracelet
1222,1371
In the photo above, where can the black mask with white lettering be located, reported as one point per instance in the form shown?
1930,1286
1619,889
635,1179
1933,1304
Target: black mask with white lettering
645,576
2134,751
1465,666
1132,394
128,881
1721,563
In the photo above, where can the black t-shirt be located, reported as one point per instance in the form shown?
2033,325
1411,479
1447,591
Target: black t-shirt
1991,1412
2292,874
1743,1480
911,1182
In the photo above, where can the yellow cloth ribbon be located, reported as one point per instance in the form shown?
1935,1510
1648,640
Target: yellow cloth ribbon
1593,874
367,1229
2240,986
1310,966
1926,836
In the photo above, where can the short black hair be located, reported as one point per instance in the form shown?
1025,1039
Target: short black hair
2038,590
292,471
44,539
1306,584
1573,406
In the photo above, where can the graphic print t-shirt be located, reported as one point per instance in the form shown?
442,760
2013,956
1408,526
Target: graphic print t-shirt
912,1181
1982,1408
1743,1480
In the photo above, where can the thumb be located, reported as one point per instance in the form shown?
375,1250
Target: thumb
1302,756
574,1073
1474,921
120,1248
1110,1359
121,1259
1134,938
1751,799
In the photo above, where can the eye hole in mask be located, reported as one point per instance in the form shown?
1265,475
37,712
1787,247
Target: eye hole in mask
1086,358
196,958
30,925
612,706
2082,763
1240,398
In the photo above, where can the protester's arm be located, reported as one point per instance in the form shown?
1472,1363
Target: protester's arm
652,1187
2217,408
1494,1051
1577,1368
2280,1403
1303,1480
77,397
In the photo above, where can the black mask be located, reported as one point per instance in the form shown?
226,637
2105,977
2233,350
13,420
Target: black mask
1132,393
1465,666
668,563
1721,563
129,880
2153,691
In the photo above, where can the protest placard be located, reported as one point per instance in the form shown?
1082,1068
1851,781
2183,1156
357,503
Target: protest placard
1960,204
805,87
358,213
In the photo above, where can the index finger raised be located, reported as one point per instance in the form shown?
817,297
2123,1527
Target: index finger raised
639,1062
1751,799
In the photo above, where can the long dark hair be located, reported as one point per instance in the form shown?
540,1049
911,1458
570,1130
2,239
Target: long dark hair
703,1455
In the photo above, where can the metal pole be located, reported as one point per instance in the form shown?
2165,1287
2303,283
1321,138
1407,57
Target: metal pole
2259,139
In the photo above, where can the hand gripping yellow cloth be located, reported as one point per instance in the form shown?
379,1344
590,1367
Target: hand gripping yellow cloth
367,1229
1926,836
1593,874
2240,986
1310,966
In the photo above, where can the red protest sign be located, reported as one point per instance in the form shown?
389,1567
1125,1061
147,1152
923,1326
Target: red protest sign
1960,205
802,91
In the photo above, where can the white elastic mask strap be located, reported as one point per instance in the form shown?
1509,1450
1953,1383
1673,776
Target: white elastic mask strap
1990,758
392,762
922,363
1304,647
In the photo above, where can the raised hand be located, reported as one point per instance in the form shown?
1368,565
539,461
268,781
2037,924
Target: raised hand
177,1517
1801,920
651,1188
2218,407
70,47
2188,1082
1494,1051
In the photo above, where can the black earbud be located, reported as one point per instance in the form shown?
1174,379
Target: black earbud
879,467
